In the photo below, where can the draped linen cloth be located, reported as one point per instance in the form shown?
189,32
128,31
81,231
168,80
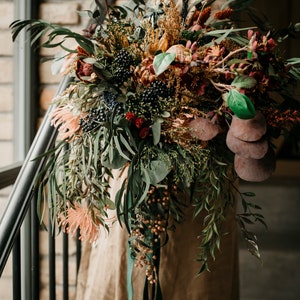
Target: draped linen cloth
103,269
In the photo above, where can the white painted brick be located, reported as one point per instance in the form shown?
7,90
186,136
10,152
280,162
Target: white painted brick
6,153
7,14
4,195
6,43
6,99
6,288
6,70
6,126
46,96
60,13
46,76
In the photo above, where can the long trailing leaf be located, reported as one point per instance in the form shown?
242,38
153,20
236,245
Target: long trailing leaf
118,146
126,144
39,28
119,201
146,179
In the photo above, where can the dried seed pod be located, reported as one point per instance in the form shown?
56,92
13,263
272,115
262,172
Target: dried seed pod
255,170
256,150
249,130
203,129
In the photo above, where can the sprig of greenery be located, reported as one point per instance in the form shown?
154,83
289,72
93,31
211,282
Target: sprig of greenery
41,28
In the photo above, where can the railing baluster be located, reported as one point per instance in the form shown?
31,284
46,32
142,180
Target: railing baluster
35,253
78,252
16,264
65,266
52,281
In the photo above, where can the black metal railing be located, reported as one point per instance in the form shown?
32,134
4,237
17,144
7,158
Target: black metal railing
21,208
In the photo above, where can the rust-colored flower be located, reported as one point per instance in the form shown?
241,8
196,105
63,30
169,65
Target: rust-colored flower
282,119
145,72
223,14
203,16
81,52
81,217
214,53
67,123
199,18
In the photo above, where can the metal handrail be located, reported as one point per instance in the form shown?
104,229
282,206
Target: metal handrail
23,189
8,174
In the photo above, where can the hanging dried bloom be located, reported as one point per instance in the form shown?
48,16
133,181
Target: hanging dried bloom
203,16
67,123
223,14
82,218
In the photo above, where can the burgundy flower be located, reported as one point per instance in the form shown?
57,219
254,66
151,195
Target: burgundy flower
130,116
271,44
144,132
83,69
139,122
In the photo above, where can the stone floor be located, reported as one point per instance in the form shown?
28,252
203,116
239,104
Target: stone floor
278,277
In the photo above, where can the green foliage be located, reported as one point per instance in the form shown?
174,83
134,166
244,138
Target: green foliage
250,216
39,28
162,61
244,82
240,104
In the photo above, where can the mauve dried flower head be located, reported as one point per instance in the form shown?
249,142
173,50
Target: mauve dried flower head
67,123
80,217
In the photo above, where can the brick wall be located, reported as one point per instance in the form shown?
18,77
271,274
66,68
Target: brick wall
6,87
59,12
6,119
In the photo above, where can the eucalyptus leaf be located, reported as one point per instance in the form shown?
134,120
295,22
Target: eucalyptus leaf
162,61
112,159
244,82
89,60
240,104
158,171
293,61
156,129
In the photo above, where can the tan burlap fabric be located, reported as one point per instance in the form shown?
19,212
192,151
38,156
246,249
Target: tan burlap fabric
102,274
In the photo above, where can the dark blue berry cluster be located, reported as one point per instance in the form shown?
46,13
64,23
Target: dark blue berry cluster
93,119
150,102
97,116
122,63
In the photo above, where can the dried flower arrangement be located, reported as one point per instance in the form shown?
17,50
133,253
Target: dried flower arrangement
183,104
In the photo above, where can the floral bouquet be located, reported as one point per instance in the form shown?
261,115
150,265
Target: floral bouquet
184,103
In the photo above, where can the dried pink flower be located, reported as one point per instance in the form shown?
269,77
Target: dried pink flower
81,217
67,123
